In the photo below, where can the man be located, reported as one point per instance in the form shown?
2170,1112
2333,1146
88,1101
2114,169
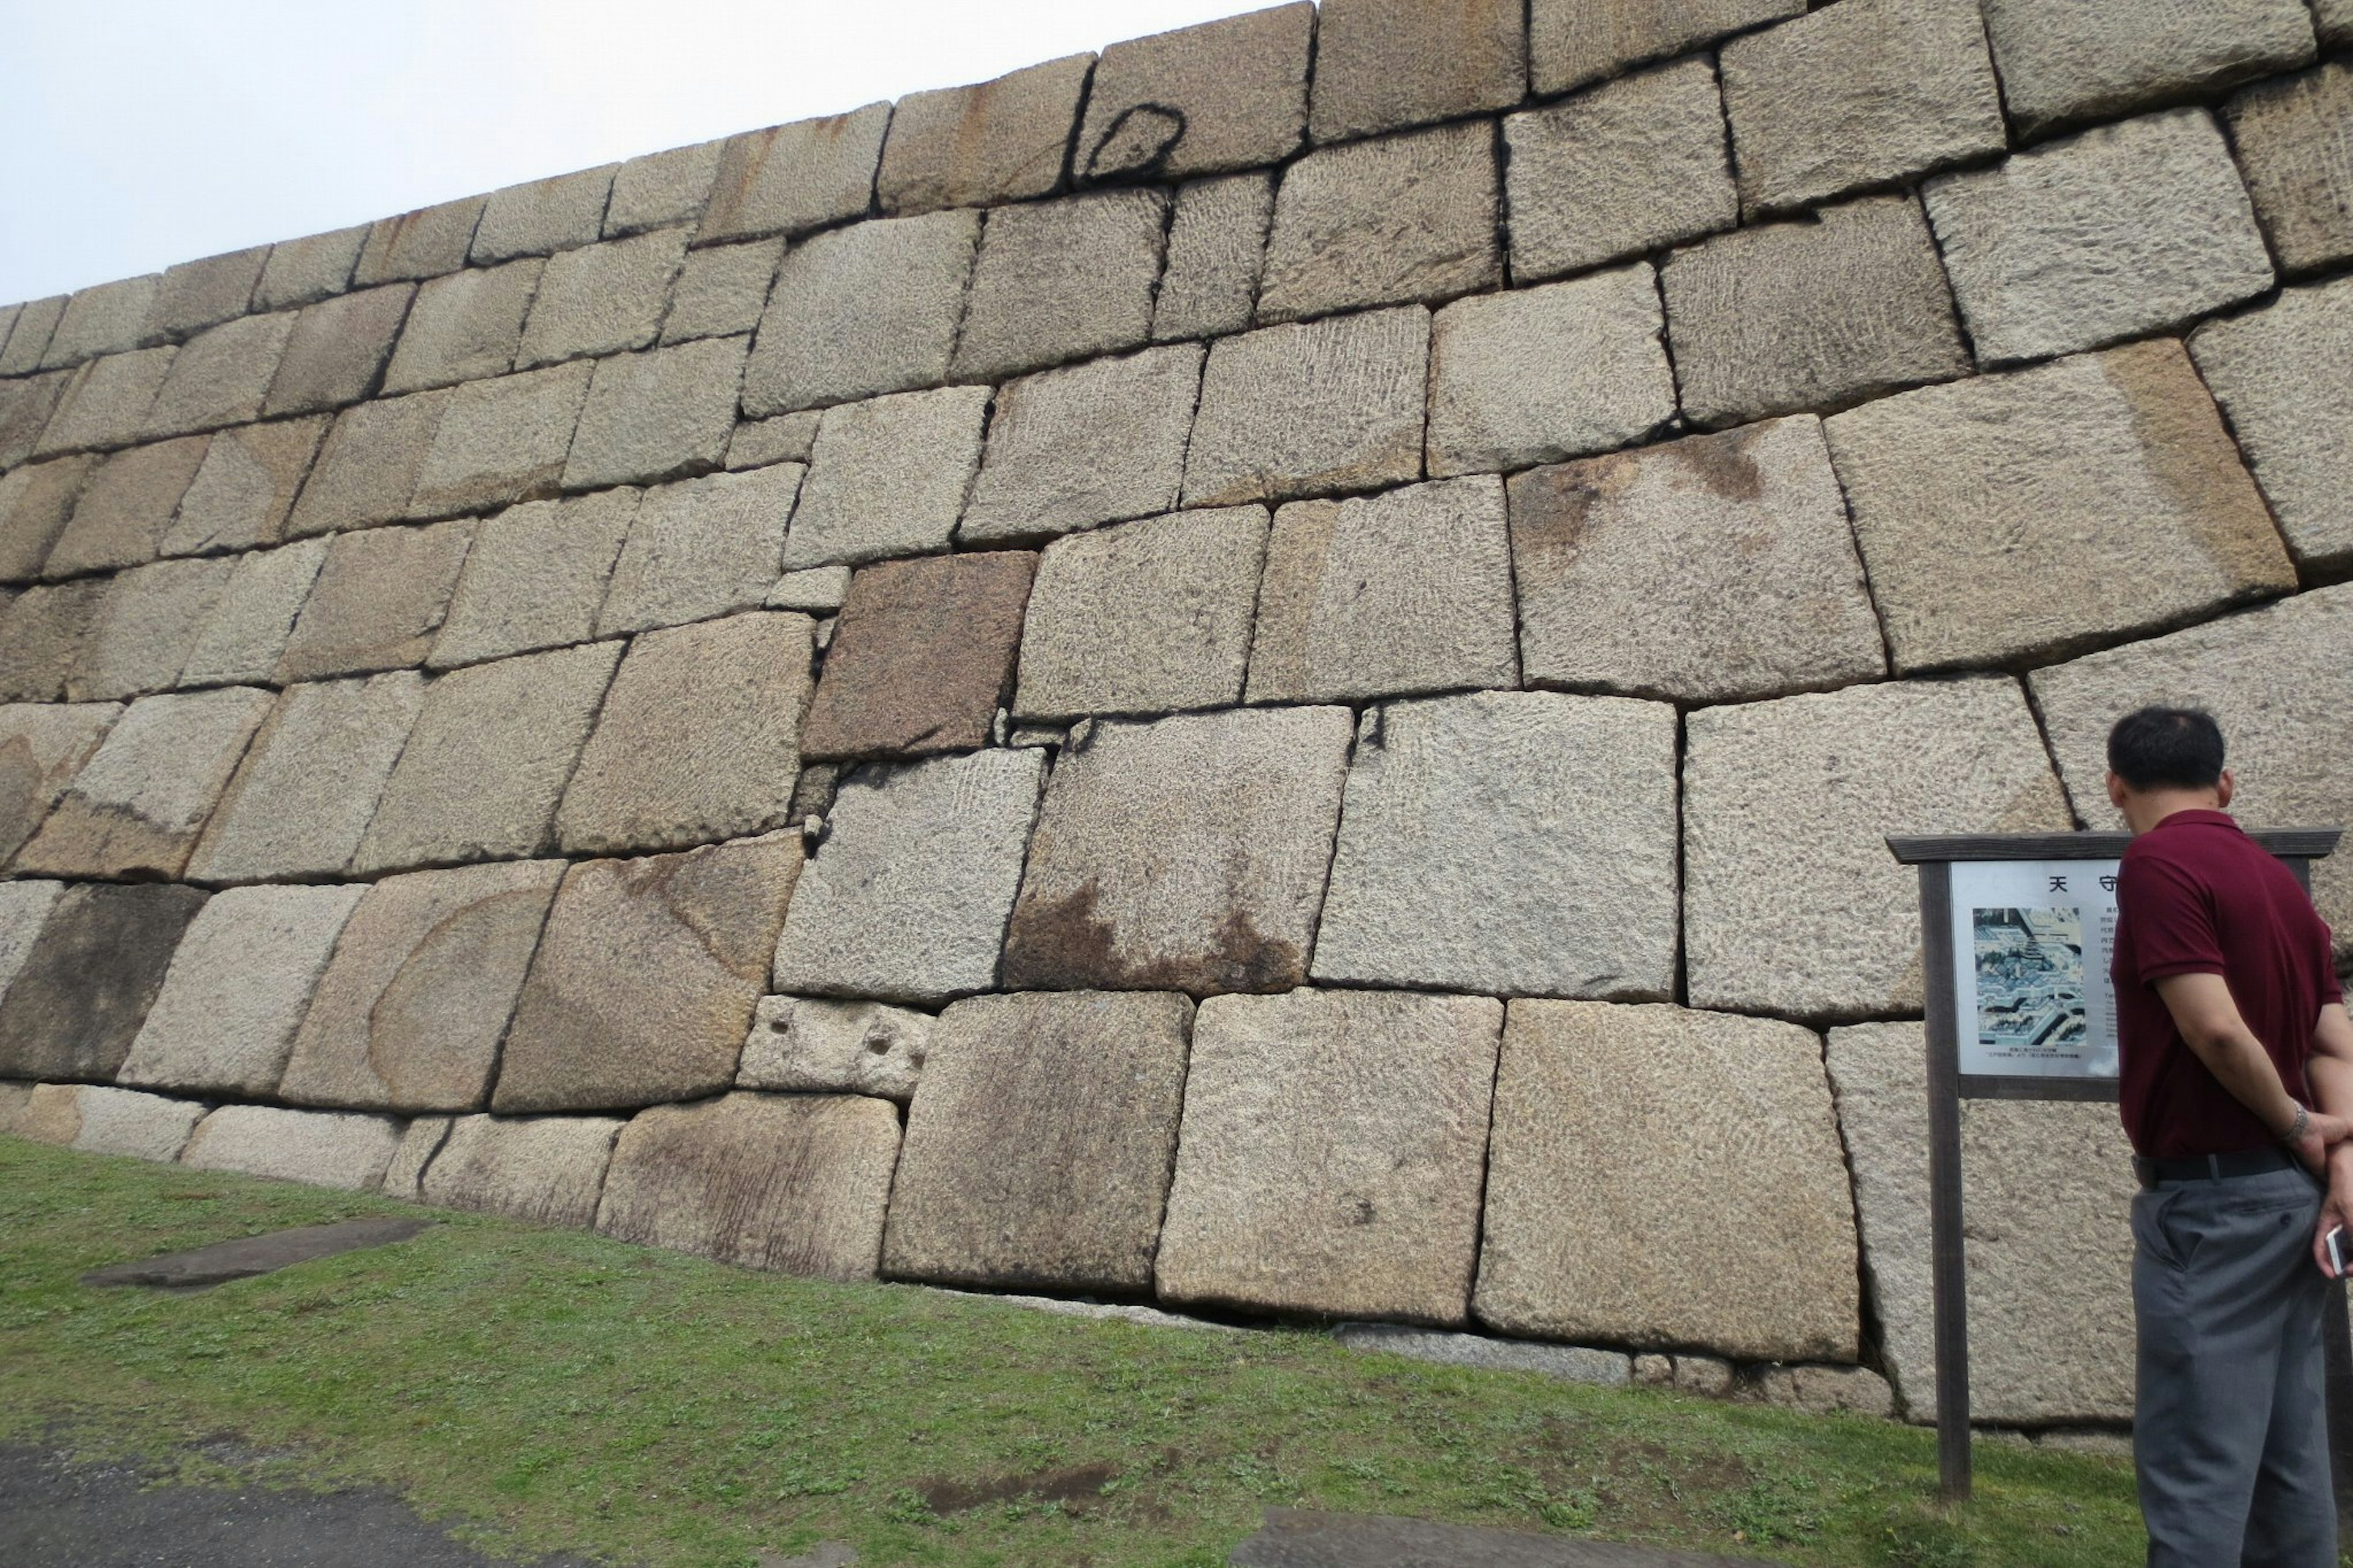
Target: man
2230,1021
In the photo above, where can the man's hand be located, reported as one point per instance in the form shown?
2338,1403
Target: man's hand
2323,1134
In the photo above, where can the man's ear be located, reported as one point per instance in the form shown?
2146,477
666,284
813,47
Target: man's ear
2224,788
2117,790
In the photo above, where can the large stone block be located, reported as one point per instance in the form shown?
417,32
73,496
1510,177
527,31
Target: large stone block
1229,94
1331,1154
795,1182
1383,64
2275,680
977,146
1984,506
535,578
1216,249
237,991
2294,142
319,1148
720,292
1148,618
1062,280
2123,231
922,657
150,615
654,415
35,503
808,1045
1514,843
1310,408
24,906
2284,376
1540,375
1621,170
1092,443
501,440
411,1011
542,217
487,760
1849,306
788,179
42,631
889,477
646,977
701,548
543,1169
868,309
463,327
221,377
28,340
313,268
300,801
126,508
1039,1149
244,636
2064,64
1864,92
79,993
1379,595
42,747
1709,569
1784,800
379,601
199,294
603,299
421,244
95,1120
2049,1190
699,739
1382,222
1695,1134
1573,42
906,896
245,487
25,409
1188,854
105,402
104,319
137,806
368,469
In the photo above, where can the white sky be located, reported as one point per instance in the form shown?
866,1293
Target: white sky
136,134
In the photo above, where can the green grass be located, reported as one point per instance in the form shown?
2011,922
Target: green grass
549,1391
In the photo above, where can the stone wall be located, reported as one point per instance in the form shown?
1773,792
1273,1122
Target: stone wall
1186,677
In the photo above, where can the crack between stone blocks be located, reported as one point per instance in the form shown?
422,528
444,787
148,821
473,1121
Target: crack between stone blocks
1470,1318
448,1126
1682,994
1871,1328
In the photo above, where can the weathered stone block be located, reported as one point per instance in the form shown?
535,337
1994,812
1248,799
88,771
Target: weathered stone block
789,179
42,747
501,440
1039,1149
199,294
720,292
464,326
1089,444
1515,843
535,578
1849,306
379,601
24,907
150,616
786,438
1149,617
2294,142
2284,376
1573,42
80,994
1694,1132
603,299
1062,280
104,319
1544,373
814,588
889,477
922,657
1384,64
1784,799
1571,1363
2121,231
701,548
25,409
1410,591
1216,249
237,989
313,268
645,980
796,1184
657,414
2063,64
28,340
137,806
422,1138
303,797
2049,1239
126,508
368,469
421,244
1330,1158
1621,170
487,761
221,377
1819,1390
662,188
1230,94
243,638
543,1169
1187,853
542,216
411,1011
1379,223
2335,18
99,1121
906,896
41,634
320,1148
1861,93
34,503
1311,408
868,309
977,146
1710,569
812,1045
1983,507
245,487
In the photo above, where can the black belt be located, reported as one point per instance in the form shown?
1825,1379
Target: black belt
2213,1167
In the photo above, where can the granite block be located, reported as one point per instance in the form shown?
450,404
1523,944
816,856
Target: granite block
1384,222
367,471
300,271
501,440
137,806
301,799
1228,94
889,477
542,217
701,548
1085,445
1384,64
42,747
793,178
721,291
243,638
603,299
1310,408
868,309
421,244
245,487
1062,280
535,578
220,376
1216,249
80,992
126,508
337,351
922,657
658,415
379,601
975,146
464,326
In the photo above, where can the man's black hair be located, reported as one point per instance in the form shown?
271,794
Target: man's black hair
2167,747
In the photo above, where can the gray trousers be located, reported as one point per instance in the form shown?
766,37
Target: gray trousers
2230,1438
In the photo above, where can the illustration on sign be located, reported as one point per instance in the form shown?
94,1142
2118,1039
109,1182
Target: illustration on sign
2033,975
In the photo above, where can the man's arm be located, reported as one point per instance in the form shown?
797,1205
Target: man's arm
2208,1017
2332,1086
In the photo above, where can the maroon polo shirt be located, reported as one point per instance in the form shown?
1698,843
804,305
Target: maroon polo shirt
2197,896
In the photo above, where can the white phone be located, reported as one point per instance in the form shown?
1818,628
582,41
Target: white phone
2340,1253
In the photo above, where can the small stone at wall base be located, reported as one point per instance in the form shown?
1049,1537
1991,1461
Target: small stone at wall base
405,1176
543,1169
1571,1363
1821,1390
95,1120
320,1148
811,1045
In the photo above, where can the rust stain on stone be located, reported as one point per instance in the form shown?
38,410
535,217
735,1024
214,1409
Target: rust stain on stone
1722,464
1059,943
